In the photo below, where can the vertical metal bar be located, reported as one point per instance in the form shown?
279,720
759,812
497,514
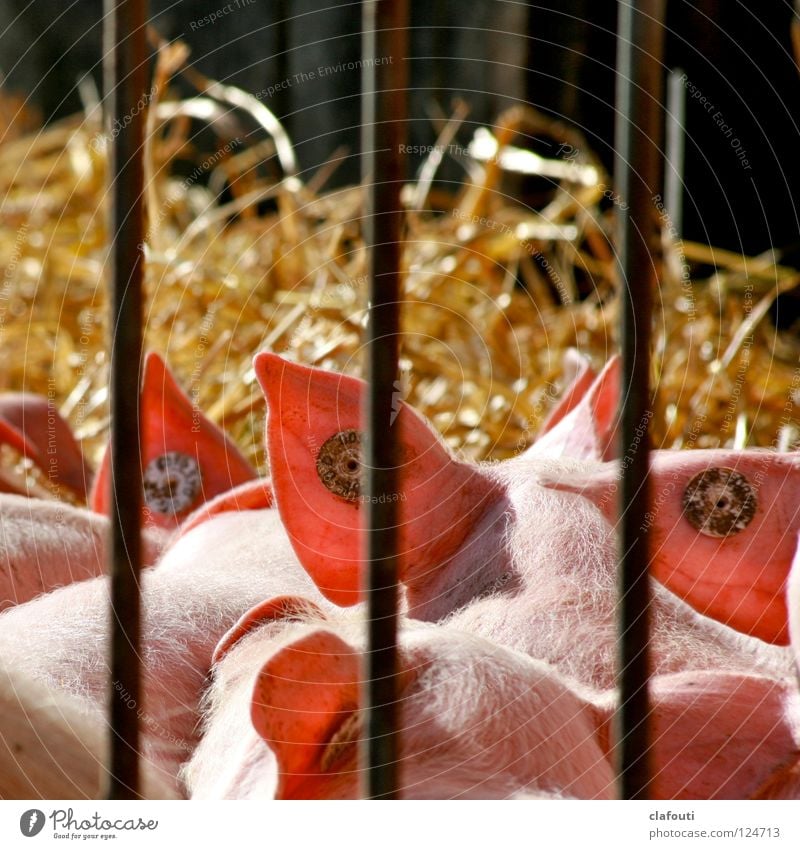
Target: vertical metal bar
638,130
795,32
676,150
383,165
125,79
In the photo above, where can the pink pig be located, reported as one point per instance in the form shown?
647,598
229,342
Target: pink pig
585,424
793,603
580,376
48,544
719,735
204,582
45,544
33,427
476,721
50,748
187,459
502,551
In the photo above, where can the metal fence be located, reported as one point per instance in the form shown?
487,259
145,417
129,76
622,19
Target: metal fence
638,174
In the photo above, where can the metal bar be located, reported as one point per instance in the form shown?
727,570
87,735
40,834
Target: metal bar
638,131
383,167
125,80
676,150
795,31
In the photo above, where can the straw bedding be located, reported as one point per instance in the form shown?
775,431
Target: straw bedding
244,255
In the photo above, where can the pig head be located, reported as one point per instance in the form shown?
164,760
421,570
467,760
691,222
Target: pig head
724,523
314,444
476,720
186,458
723,529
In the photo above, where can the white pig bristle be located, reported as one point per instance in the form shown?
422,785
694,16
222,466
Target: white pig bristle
51,746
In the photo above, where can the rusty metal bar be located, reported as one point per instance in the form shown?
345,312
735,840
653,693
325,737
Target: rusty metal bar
676,150
383,114
795,31
125,79
637,170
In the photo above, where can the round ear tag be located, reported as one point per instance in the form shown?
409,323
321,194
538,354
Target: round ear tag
719,502
339,464
171,483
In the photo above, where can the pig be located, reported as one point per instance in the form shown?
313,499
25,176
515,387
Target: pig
723,735
585,424
580,376
477,720
253,495
50,748
202,584
187,459
522,552
34,428
724,530
49,544
793,604
16,480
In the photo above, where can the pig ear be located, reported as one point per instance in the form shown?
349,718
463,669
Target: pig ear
305,707
253,495
737,580
284,607
186,458
582,375
589,430
100,493
11,436
719,735
33,427
597,483
604,400
793,605
17,483
313,443
305,409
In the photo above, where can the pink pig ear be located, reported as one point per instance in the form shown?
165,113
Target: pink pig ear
314,448
719,735
186,458
580,377
306,410
723,530
284,607
793,604
305,707
253,495
589,430
32,426
12,437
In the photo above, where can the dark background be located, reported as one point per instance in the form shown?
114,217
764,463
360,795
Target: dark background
559,56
